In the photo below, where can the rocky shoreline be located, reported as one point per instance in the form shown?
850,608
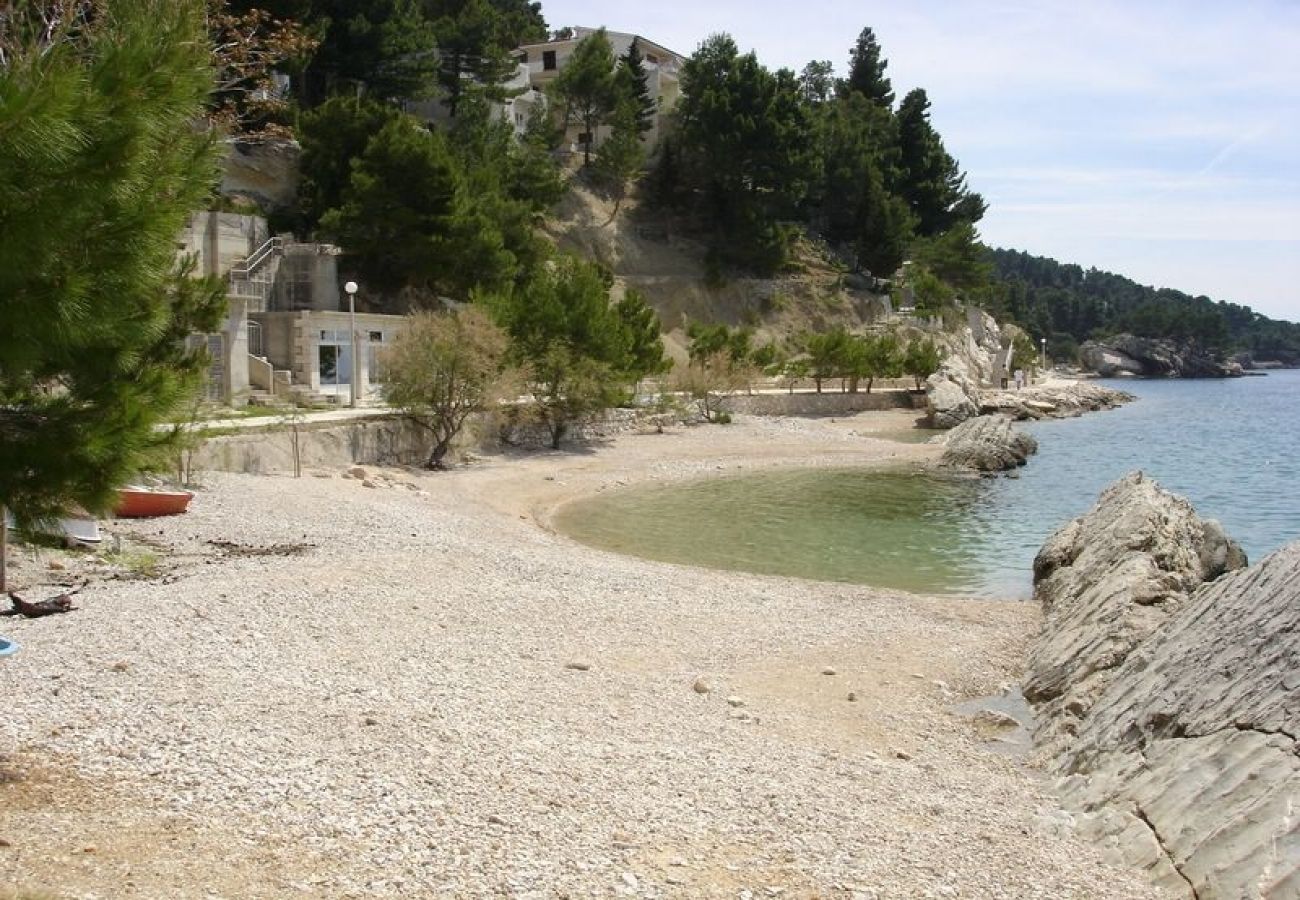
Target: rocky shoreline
1165,687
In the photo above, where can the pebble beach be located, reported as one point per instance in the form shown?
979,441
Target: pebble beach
396,683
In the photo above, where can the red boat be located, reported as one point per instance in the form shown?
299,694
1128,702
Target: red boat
145,503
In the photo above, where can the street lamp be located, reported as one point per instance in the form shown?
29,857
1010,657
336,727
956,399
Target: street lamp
1042,355
355,386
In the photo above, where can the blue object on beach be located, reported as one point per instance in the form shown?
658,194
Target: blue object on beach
7,647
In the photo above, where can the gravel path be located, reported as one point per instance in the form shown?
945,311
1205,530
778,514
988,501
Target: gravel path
410,690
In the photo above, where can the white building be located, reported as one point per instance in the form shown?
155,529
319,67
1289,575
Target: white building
547,59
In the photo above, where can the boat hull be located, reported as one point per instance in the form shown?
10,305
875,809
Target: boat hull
137,504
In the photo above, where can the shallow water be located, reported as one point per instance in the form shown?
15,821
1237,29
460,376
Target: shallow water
1228,446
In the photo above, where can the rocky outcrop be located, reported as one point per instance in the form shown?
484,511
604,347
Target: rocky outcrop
1106,582
1195,742
1126,354
263,172
986,444
1168,694
948,401
1053,401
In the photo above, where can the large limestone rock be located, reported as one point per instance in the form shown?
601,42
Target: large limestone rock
1106,581
986,444
1181,757
1126,354
1194,743
263,172
948,402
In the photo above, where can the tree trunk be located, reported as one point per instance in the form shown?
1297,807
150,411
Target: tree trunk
870,382
4,550
439,451
818,382
557,434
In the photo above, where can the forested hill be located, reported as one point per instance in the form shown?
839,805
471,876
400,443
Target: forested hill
1070,304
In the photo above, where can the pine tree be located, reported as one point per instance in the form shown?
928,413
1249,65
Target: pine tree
469,53
333,135
100,165
408,221
577,351
930,180
633,83
586,88
867,71
817,81
375,48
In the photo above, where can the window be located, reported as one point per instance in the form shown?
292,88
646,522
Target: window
523,56
548,60
377,337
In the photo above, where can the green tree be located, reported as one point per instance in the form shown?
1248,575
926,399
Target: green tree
407,221
333,136
829,355
882,358
643,346
867,71
708,340
586,87
444,368
100,164
376,48
744,131
859,159
921,360
620,157
931,181
817,82
955,256
572,344
633,85
474,39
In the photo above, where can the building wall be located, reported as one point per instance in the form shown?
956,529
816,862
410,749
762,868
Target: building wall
292,340
221,239
307,279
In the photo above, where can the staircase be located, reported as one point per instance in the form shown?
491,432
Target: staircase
251,280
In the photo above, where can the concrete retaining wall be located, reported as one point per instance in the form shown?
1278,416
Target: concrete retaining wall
379,442
827,404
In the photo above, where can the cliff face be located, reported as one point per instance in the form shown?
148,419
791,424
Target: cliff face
1167,689
1126,354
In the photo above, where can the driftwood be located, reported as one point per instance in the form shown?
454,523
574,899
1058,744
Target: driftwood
35,609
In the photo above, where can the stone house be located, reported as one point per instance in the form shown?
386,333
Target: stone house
287,330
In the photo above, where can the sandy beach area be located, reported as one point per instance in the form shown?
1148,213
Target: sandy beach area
412,687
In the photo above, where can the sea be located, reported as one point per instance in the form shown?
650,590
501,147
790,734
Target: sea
1229,446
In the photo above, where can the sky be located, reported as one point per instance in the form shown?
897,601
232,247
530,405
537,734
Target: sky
1158,140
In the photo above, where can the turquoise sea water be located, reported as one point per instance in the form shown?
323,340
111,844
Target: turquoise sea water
1228,446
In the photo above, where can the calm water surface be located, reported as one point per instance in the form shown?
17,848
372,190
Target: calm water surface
1228,446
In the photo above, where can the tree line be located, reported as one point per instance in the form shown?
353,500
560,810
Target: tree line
1068,304
759,155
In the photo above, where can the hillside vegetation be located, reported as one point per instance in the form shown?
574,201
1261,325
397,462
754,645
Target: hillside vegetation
1069,304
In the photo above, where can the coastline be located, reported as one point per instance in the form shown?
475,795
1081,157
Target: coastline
410,689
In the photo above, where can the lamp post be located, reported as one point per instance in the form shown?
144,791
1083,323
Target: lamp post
1042,355
354,382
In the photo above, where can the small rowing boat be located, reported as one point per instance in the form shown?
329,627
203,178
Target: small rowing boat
136,502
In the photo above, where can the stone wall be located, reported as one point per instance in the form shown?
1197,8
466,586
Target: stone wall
827,404
388,441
